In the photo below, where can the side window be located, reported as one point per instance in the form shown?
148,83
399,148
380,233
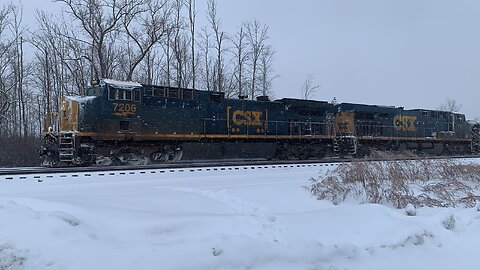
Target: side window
173,93
128,94
187,94
137,94
158,92
148,91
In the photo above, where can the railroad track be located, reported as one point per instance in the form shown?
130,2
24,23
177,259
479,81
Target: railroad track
42,172
164,166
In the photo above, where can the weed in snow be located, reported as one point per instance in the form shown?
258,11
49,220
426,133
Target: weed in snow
433,183
11,258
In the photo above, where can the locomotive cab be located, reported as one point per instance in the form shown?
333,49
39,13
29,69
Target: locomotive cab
58,143
63,128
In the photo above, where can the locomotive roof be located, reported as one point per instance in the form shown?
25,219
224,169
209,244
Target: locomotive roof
303,102
292,101
122,84
429,110
367,108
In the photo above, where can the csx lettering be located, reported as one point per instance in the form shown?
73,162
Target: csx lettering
404,123
252,118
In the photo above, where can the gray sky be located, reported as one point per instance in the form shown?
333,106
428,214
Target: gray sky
411,53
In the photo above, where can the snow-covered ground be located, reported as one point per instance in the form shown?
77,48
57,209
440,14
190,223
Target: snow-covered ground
232,219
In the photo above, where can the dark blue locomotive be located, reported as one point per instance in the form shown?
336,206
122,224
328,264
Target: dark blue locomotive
126,122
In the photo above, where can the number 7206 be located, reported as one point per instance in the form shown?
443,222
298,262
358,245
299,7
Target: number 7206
124,108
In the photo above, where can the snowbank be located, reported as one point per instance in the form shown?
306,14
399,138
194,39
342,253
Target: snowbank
259,219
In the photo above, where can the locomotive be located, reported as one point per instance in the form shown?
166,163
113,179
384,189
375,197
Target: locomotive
121,122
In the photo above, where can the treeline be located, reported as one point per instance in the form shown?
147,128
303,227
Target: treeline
149,41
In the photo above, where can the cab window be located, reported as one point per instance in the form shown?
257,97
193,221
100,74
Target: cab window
128,95
119,94
112,93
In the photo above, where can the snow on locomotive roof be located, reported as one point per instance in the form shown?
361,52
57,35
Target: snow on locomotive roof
473,122
81,99
122,84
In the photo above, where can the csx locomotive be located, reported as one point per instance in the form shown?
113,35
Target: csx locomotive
126,122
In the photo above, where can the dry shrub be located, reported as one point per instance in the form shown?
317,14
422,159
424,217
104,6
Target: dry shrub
18,152
437,183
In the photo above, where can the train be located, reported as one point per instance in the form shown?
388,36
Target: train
124,122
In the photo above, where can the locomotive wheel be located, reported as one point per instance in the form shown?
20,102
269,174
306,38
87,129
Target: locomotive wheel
159,157
131,158
49,161
178,154
167,154
123,157
103,161
49,154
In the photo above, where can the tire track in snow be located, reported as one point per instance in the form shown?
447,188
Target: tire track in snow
265,222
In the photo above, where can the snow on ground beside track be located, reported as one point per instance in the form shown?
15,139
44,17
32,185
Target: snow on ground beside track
258,219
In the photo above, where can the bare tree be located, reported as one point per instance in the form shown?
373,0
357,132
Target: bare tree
61,60
99,19
166,46
240,55
181,47
145,25
308,87
205,46
219,37
17,112
18,69
192,16
450,105
151,69
266,70
5,76
257,35
150,41
177,43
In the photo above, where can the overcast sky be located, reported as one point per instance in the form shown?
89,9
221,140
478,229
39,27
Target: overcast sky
411,53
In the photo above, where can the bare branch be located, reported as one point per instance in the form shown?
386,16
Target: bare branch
450,105
308,87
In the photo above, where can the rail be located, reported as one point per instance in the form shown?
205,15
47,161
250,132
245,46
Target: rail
40,173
